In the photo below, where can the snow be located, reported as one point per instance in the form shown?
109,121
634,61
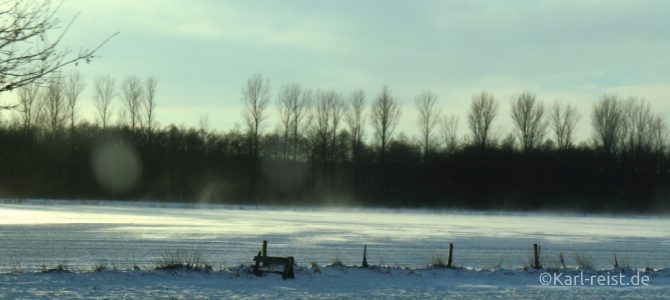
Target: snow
330,282
81,234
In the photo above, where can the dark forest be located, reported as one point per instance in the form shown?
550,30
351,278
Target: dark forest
323,153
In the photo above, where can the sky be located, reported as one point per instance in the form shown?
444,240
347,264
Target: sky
203,51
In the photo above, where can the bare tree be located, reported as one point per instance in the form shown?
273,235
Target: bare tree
644,132
27,54
132,100
289,98
659,133
336,107
149,103
483,110
104,94
449,126
320,126
326,121
527,114
384,115
563,120
256,97
356,121
41,120
203,124
300,112
28,105
74,86
638,126
659,141
54,105
608,123
429,117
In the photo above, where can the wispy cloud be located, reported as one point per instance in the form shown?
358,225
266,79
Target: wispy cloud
219,22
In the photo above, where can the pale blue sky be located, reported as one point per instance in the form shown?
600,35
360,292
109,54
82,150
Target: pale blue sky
202,52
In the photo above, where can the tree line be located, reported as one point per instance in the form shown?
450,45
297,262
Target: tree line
340,148
51,107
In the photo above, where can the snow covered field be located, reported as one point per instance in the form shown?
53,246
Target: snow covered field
330,283
82,234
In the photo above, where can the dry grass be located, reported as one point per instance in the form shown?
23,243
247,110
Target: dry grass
15,267
61,267
314,267
498,264
100,267
561,260
583,262
439,262
181,259
336,263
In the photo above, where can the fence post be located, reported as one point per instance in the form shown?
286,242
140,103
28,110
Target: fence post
451,251
536,256
365,256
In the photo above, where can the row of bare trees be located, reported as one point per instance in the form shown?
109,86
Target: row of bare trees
319,115
54,105
621,126
314,121
628,126
138,101
319,152
529,119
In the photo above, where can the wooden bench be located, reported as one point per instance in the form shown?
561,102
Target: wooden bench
264,264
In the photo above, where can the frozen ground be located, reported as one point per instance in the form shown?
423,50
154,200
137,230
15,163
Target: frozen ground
82,234
331,282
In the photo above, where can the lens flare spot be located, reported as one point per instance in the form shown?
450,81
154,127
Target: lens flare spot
116,165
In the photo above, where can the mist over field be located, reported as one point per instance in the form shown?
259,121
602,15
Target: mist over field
110,248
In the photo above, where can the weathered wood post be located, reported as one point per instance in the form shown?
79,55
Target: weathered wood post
257,265
536,256
264,250
365,257
288,268
451,252
616,262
